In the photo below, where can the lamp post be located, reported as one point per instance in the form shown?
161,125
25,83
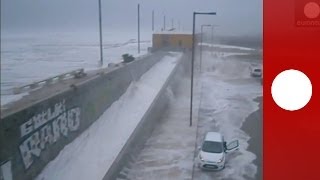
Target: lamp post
172,23
164,23
192,57
152,20
100,34
138,28
204,25
212,29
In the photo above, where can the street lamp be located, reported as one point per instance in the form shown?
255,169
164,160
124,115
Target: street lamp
204,25
192,58
138,28
164,23
100,34
152,20
212,26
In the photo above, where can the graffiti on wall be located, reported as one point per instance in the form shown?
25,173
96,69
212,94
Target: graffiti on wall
46,128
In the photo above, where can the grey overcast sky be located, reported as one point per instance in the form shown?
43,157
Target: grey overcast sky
234,17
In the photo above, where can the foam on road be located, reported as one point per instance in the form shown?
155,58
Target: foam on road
223,98
226,46
228,94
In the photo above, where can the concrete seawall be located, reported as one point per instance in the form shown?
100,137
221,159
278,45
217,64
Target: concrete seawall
33,135
148,122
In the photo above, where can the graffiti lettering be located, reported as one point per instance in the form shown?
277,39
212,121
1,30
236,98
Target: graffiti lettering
45,129
42,118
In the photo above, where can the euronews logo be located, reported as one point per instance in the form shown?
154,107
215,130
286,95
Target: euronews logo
307,13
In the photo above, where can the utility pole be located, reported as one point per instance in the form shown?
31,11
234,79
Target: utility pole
172,23
138,28
152,20
100,34
164,22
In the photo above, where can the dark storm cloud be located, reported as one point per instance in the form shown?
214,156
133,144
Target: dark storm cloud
234,16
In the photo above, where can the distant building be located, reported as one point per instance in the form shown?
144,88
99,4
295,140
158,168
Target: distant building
172,40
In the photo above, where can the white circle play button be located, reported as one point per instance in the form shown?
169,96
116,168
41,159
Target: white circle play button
291,90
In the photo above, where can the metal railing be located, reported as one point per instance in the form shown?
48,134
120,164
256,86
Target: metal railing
79,73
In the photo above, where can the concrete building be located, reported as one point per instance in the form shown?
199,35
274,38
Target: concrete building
172,40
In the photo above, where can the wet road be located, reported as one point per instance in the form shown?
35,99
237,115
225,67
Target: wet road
227,99
224,97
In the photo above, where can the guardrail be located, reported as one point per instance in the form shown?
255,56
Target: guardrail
79,73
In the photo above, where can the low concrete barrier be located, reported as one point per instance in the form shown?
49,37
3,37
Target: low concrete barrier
72,74
32,136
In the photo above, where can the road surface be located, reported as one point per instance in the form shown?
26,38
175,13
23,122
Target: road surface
225,97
